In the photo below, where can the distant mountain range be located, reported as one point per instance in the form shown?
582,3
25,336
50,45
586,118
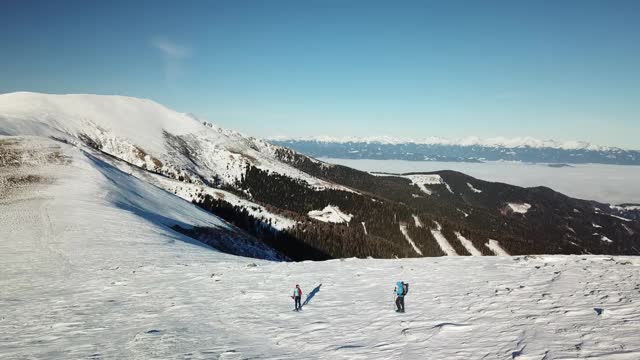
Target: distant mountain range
268,201
470,149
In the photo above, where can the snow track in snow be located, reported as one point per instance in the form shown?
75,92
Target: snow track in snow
620,218
473,188
403,229
442,241
494,246
417,221
468,245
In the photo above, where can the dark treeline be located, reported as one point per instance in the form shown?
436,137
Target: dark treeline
555,224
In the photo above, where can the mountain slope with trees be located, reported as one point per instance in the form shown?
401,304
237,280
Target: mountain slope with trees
272,192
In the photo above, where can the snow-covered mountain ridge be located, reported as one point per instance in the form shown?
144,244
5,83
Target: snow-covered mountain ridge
498,142
85,187
472,149
145,134
307,209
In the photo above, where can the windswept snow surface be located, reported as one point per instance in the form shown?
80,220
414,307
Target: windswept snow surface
520,208
468,245
494,246
442,241
83,187
142,297
403,230
89,269
330,214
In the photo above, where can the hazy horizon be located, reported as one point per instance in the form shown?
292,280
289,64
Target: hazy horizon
609,184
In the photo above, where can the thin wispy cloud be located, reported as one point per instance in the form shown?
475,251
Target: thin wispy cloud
171,49
174,55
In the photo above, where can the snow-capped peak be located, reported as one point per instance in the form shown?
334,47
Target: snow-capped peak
146,134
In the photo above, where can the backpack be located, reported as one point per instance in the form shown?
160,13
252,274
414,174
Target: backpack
406,288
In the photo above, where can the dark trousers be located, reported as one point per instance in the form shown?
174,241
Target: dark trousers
400,303
298,304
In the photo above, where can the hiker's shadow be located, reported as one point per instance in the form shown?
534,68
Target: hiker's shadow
311,295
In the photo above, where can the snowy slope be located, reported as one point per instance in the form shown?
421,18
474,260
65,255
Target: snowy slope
190,192
81,191
146,134
422,180
331,214
519,208
91,269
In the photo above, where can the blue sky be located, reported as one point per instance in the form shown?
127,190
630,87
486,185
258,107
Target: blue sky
567,70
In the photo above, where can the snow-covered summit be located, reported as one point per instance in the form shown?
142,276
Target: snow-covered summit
134,119
146,134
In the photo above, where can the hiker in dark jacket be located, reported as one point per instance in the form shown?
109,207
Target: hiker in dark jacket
297,296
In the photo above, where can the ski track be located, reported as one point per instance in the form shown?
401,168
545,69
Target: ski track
403,229
473,188
494,246
417,221
82,278
468,245
442,241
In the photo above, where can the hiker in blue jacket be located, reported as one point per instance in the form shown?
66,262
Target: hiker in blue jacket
400,291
